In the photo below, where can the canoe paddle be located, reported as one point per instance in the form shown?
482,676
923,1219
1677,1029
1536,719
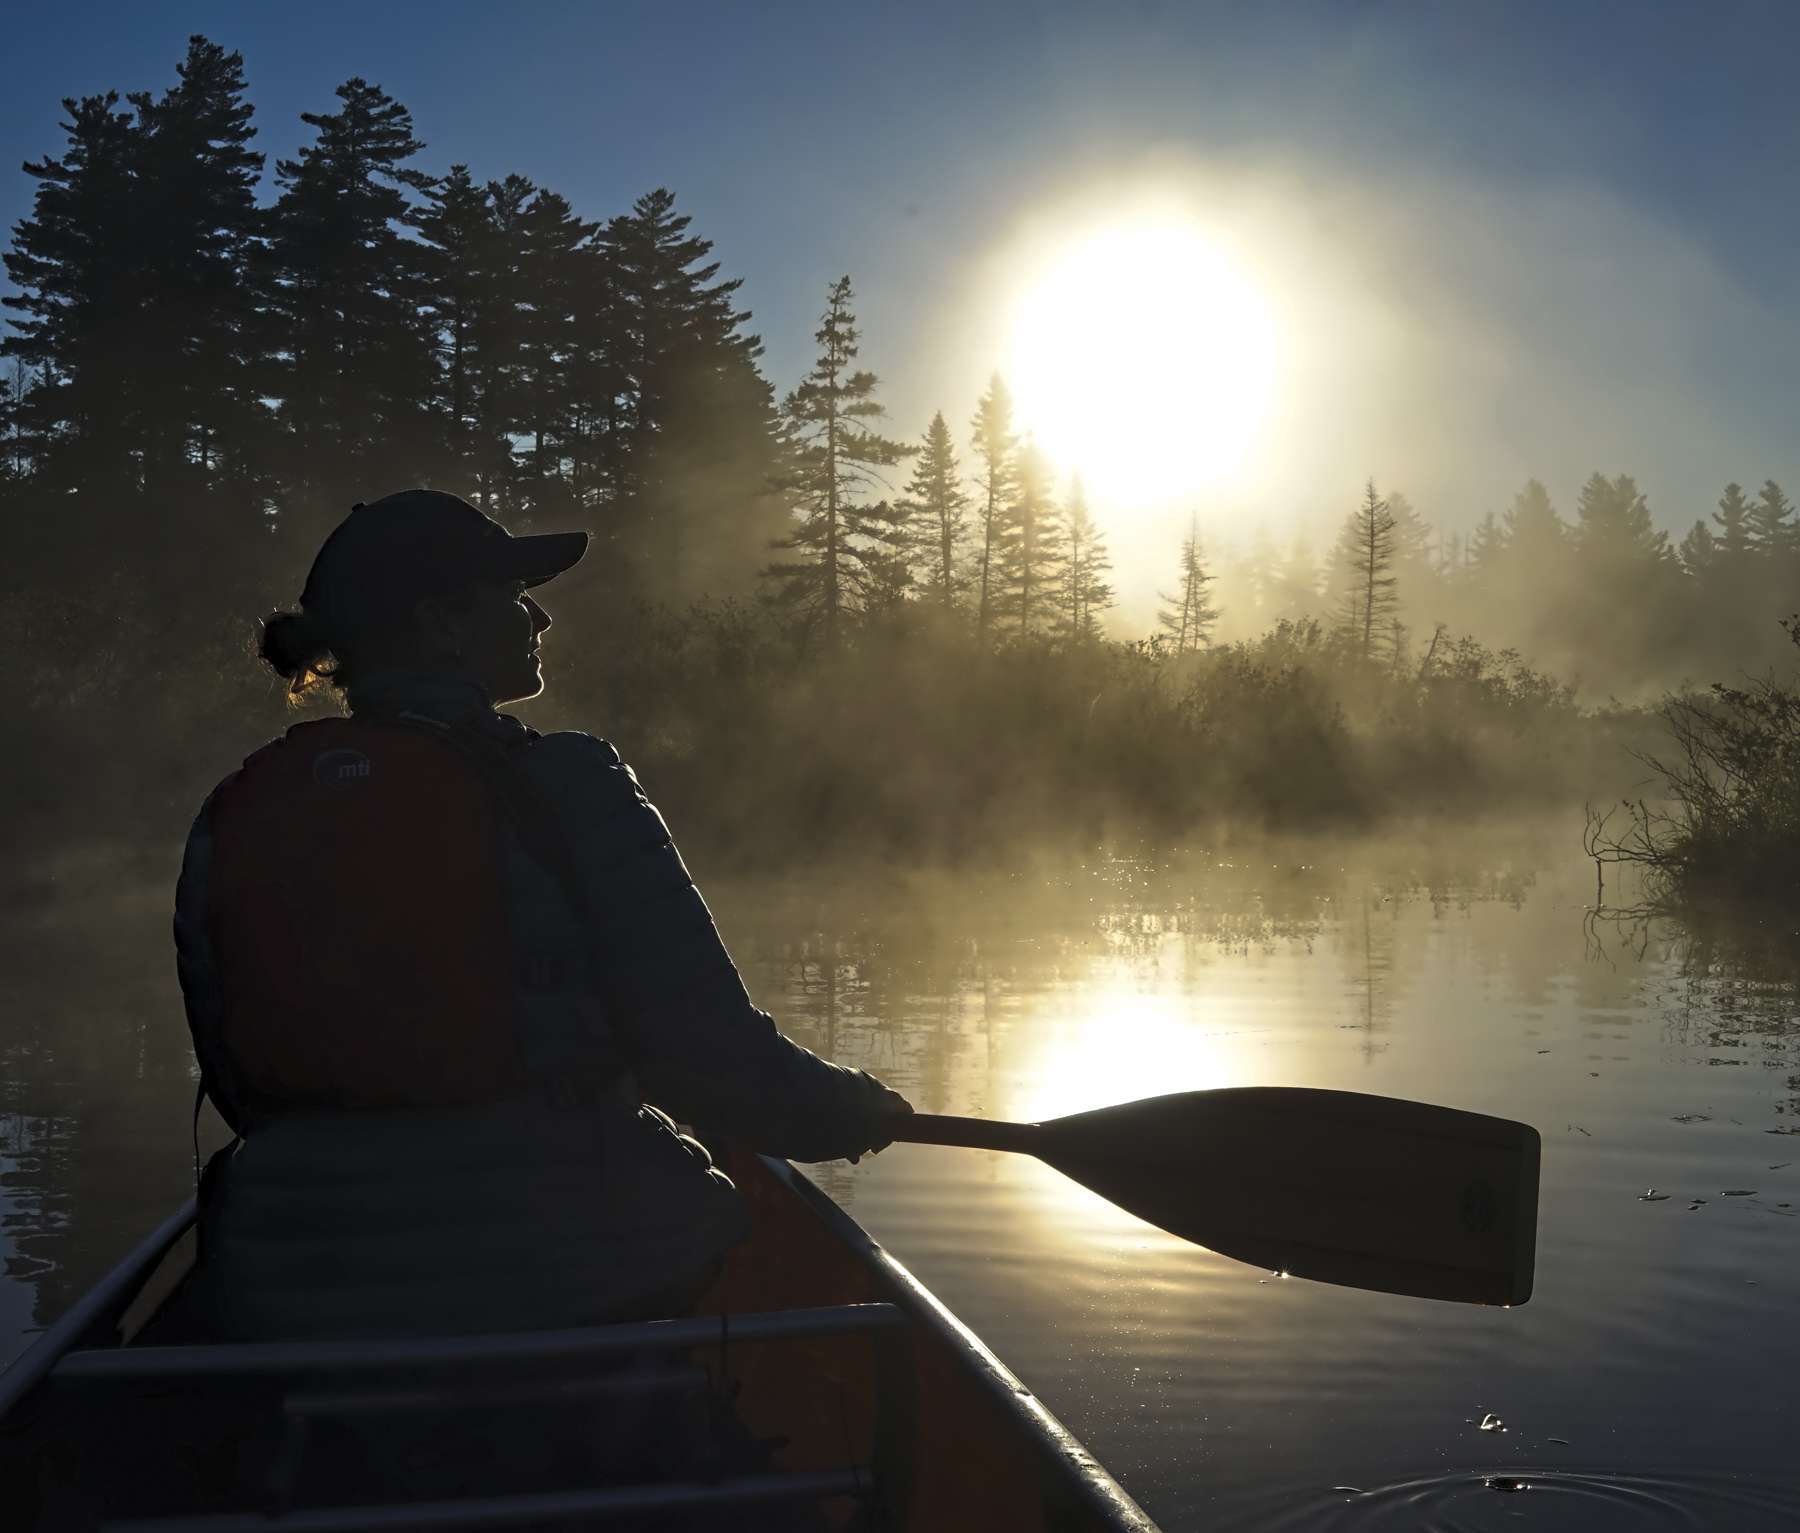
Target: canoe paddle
1364,1191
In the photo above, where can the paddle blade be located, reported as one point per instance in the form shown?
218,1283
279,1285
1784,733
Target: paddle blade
1364,1191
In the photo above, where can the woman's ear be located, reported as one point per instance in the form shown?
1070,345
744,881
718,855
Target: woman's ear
440,633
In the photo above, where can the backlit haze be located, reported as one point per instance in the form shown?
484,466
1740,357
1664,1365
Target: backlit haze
1233,259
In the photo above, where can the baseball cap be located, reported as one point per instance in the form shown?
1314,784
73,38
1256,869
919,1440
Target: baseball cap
418,543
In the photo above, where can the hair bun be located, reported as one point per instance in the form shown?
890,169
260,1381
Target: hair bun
291,644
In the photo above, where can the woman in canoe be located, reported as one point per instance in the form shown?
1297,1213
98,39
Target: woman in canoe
436,966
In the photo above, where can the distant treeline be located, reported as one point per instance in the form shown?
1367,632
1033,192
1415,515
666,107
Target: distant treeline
200,382
1604,597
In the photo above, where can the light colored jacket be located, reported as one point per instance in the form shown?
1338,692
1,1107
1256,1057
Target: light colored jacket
567,1206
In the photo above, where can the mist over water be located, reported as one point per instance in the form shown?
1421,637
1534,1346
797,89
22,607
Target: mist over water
1156,628
1657,1347
1649,1381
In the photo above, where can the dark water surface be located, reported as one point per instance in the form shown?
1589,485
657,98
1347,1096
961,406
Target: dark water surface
1653,1381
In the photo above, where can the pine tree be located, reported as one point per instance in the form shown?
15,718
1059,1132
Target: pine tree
554,262
1733,521
203,175
1033,553
1453,557
844,539
1086,591
1774,563
1622,590
132,277
939,508
1700,553
1487,545
20,455
11,460
682,457
501,403
354,372
669,307
464,289
1369,603
1189,616
1414,538
1614,529
1535,535
997,448
81,291
1770,527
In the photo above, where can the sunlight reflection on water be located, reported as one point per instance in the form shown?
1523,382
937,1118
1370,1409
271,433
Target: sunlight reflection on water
1660,1341
1654,1370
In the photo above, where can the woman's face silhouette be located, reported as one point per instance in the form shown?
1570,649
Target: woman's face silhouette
492,638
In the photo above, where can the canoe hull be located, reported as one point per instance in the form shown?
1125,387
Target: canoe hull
866,1402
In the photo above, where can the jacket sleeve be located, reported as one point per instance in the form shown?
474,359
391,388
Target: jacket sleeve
701,1050
198,972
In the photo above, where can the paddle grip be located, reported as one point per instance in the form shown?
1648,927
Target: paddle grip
969,1133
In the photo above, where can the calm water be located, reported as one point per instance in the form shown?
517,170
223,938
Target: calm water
1652,1381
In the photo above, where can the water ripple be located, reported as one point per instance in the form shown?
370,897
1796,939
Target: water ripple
1511,1496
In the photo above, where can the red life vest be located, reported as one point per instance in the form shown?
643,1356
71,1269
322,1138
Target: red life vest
358,923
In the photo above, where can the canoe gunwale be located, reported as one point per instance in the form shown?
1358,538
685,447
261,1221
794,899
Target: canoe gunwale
1059,1451
100,1308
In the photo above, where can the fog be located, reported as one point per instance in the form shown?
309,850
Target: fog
1103,608
1452,335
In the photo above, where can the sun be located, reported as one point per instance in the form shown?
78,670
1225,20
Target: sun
1144,356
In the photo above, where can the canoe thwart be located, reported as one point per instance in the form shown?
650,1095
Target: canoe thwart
496,1512
274,1360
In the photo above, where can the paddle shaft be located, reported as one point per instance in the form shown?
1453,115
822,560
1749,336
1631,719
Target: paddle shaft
969,1133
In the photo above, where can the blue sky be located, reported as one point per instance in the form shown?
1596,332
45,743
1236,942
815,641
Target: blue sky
1560,236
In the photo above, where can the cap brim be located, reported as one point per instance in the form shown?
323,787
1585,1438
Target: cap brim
543,556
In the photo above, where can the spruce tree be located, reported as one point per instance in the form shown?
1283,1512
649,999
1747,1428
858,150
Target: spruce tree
1770,527
464,288
680,461
1453,557
1189,615
845,540
1032,555
1086,591
996,446
1774,562
1614,530
1487,545
1369,601
1700,552
1535,535
12,474
354,373
1733,521
202,230
939,510
138,324
553,264
81,293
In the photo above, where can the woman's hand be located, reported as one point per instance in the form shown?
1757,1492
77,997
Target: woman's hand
887,1103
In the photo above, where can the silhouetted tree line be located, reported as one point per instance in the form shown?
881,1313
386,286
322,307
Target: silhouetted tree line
203,384
199,382
1606,599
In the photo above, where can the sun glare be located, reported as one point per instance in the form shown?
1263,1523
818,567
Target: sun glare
1144,356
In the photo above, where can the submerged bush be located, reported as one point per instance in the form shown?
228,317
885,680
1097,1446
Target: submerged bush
1726,825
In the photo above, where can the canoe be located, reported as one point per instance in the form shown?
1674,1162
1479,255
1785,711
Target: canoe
818,1385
